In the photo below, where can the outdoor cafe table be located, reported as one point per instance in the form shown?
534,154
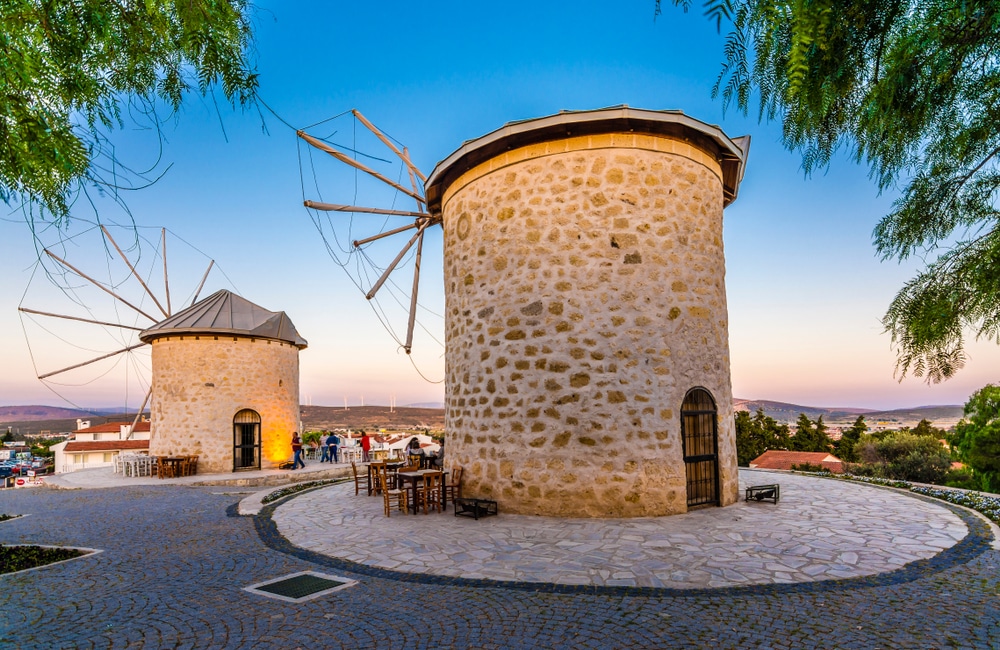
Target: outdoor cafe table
412,478
388,468
174,462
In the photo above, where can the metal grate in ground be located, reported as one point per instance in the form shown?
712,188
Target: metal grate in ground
300,587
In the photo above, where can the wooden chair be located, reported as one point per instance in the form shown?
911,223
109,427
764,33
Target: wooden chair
389,496
360,481
165,469
377,470
430,494
190,466
453,490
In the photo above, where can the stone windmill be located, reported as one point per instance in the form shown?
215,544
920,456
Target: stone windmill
587,347
223,372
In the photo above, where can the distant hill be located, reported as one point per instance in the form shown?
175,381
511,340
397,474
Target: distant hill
785,412
372,417
33,419
34,413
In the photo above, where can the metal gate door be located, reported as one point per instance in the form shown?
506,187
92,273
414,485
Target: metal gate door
246,440
699,431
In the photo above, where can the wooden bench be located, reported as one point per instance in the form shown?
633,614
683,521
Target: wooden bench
762,492
475,508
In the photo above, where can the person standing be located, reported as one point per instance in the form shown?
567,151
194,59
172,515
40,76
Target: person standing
297,451
366,446
332,442
325,447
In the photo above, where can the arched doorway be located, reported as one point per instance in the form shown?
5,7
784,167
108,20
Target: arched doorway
246,440
700,433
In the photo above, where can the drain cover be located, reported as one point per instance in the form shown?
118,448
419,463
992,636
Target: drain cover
299,587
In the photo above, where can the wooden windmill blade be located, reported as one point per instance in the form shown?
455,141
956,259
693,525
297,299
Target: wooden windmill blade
422,219
99,303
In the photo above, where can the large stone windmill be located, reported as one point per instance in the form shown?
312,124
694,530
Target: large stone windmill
587,347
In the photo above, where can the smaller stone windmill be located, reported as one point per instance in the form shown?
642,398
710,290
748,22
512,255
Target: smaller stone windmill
226,381
224,374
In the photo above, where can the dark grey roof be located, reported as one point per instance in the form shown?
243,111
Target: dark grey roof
730,152
226,313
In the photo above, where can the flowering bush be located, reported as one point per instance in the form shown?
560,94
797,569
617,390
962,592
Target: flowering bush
988,505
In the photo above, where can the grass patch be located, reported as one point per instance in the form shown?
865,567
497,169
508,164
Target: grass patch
301,487
19,558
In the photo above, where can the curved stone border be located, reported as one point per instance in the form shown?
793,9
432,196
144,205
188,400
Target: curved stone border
86,552
253,504
977,541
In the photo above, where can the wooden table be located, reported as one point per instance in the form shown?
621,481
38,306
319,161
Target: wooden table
174,463
371,474
412,478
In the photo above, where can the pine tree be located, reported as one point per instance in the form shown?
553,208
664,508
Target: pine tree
846,446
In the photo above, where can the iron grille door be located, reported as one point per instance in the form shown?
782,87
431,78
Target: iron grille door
699,431
246,440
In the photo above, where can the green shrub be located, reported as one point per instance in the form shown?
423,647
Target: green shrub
19,558
809,467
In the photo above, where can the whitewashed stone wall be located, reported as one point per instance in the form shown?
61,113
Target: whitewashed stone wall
201,382
585,295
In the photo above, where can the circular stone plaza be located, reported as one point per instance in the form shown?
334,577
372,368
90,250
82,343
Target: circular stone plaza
201,562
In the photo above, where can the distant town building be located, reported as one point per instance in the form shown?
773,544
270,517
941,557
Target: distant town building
97,446
774,459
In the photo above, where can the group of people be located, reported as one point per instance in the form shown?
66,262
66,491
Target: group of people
329,448
331,445
413,450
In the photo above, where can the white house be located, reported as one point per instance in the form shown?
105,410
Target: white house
97,446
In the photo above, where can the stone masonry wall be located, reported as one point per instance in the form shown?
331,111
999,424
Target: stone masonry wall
585,295
200,383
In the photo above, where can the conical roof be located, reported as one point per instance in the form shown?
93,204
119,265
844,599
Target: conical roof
226,313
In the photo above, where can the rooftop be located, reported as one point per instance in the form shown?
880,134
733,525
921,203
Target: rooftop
224,312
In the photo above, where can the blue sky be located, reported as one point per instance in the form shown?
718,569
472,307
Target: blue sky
805,290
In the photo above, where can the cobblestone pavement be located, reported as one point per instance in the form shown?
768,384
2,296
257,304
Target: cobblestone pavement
174,566
819,529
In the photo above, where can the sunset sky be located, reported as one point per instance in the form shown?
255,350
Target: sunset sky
806,292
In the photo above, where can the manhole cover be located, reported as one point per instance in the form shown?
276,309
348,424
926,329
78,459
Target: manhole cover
302,586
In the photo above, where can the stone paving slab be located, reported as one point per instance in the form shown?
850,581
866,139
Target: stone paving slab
819,530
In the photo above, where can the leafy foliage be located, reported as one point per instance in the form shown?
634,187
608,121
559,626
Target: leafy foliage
904,457
73,70
756,434
313,438
977,436
809,467
912,89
